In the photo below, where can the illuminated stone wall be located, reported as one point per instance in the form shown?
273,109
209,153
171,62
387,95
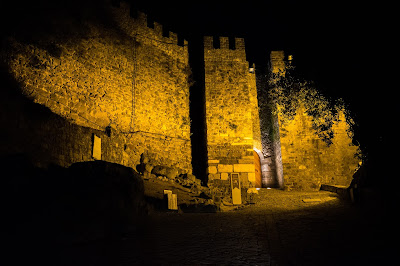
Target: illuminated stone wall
124,75
277,62
233,127
308,161
303,160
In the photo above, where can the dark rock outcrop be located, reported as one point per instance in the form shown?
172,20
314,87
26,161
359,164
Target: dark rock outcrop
88,201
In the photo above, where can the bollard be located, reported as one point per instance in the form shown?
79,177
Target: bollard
171,199
236,193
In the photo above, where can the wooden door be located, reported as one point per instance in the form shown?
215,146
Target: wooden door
257,165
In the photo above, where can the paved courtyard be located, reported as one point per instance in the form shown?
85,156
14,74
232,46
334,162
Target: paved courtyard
282,228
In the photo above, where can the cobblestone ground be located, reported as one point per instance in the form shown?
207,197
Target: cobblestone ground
281,228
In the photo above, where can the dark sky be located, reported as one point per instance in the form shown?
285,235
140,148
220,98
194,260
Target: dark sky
330,40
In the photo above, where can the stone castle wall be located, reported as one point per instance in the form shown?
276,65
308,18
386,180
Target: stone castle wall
303,160
308,161
233,129
128,84
277,63
123,75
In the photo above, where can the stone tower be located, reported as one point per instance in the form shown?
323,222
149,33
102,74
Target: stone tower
232,119
277,62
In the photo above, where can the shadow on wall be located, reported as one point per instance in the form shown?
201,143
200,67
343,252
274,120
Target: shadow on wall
80,65
197,111
33,130
49,211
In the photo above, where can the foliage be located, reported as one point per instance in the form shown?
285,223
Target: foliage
287,92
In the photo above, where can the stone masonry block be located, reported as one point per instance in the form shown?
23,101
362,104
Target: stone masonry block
224,176
225,168
246,161
213,176
249,168
212,169
96,153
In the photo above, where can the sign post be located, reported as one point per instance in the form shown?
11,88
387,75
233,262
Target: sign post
172,200
236,193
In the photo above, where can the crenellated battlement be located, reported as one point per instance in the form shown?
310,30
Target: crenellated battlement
138,28
224,43
226,49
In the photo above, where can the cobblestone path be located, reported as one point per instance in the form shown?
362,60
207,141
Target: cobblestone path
281,228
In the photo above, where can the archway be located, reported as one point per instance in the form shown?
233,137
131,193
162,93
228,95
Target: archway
257,166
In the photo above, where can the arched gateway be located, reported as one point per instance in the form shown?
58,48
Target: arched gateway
257,166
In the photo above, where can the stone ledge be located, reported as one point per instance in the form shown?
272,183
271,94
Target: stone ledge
225,168
246,161
342,191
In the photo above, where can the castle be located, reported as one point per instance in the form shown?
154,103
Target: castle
124,92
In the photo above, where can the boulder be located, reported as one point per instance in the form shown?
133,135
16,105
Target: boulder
172,173
105,197
169,172
189,179
85,202
195,189
148,168
159,170
147,171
